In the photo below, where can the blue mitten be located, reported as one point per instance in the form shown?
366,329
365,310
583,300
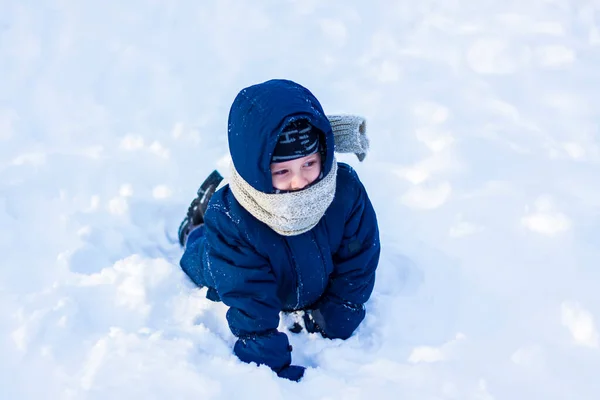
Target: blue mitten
334,320
292,372
311,318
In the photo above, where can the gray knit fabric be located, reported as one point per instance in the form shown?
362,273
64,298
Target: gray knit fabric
350,134
291,213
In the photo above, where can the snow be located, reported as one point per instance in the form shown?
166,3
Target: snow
483,170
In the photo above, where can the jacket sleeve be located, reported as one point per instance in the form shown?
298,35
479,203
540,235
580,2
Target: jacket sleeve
341,309
245,282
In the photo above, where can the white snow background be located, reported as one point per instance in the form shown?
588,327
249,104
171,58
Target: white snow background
484,172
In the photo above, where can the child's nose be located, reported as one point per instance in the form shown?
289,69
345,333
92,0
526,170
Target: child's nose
299,182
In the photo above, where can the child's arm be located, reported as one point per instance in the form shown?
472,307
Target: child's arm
341,308
245,282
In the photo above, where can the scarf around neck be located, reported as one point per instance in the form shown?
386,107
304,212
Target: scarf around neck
291,213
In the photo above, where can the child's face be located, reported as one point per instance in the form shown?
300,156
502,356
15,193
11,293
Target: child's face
296,174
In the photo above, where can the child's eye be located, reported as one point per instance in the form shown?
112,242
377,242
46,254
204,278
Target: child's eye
280,172
310,163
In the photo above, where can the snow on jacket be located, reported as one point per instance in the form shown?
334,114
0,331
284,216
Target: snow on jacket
259,273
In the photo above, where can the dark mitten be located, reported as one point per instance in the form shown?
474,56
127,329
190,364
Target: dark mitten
292,372
311,318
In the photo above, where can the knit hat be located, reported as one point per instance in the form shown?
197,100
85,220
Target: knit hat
297,139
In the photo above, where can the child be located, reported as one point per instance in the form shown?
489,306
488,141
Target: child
293,229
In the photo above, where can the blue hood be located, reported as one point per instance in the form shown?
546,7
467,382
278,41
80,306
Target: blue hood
257,116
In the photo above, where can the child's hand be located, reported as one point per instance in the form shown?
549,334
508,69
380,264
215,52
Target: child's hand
334,320
292,372
311,324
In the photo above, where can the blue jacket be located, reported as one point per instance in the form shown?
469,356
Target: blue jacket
259,273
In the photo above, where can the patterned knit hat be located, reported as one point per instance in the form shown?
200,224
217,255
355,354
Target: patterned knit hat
298,139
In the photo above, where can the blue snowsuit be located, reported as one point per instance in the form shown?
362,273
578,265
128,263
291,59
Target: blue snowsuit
259,273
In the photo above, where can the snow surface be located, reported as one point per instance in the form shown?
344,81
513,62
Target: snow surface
484,171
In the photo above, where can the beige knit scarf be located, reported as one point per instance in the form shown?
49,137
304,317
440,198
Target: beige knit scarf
294,213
